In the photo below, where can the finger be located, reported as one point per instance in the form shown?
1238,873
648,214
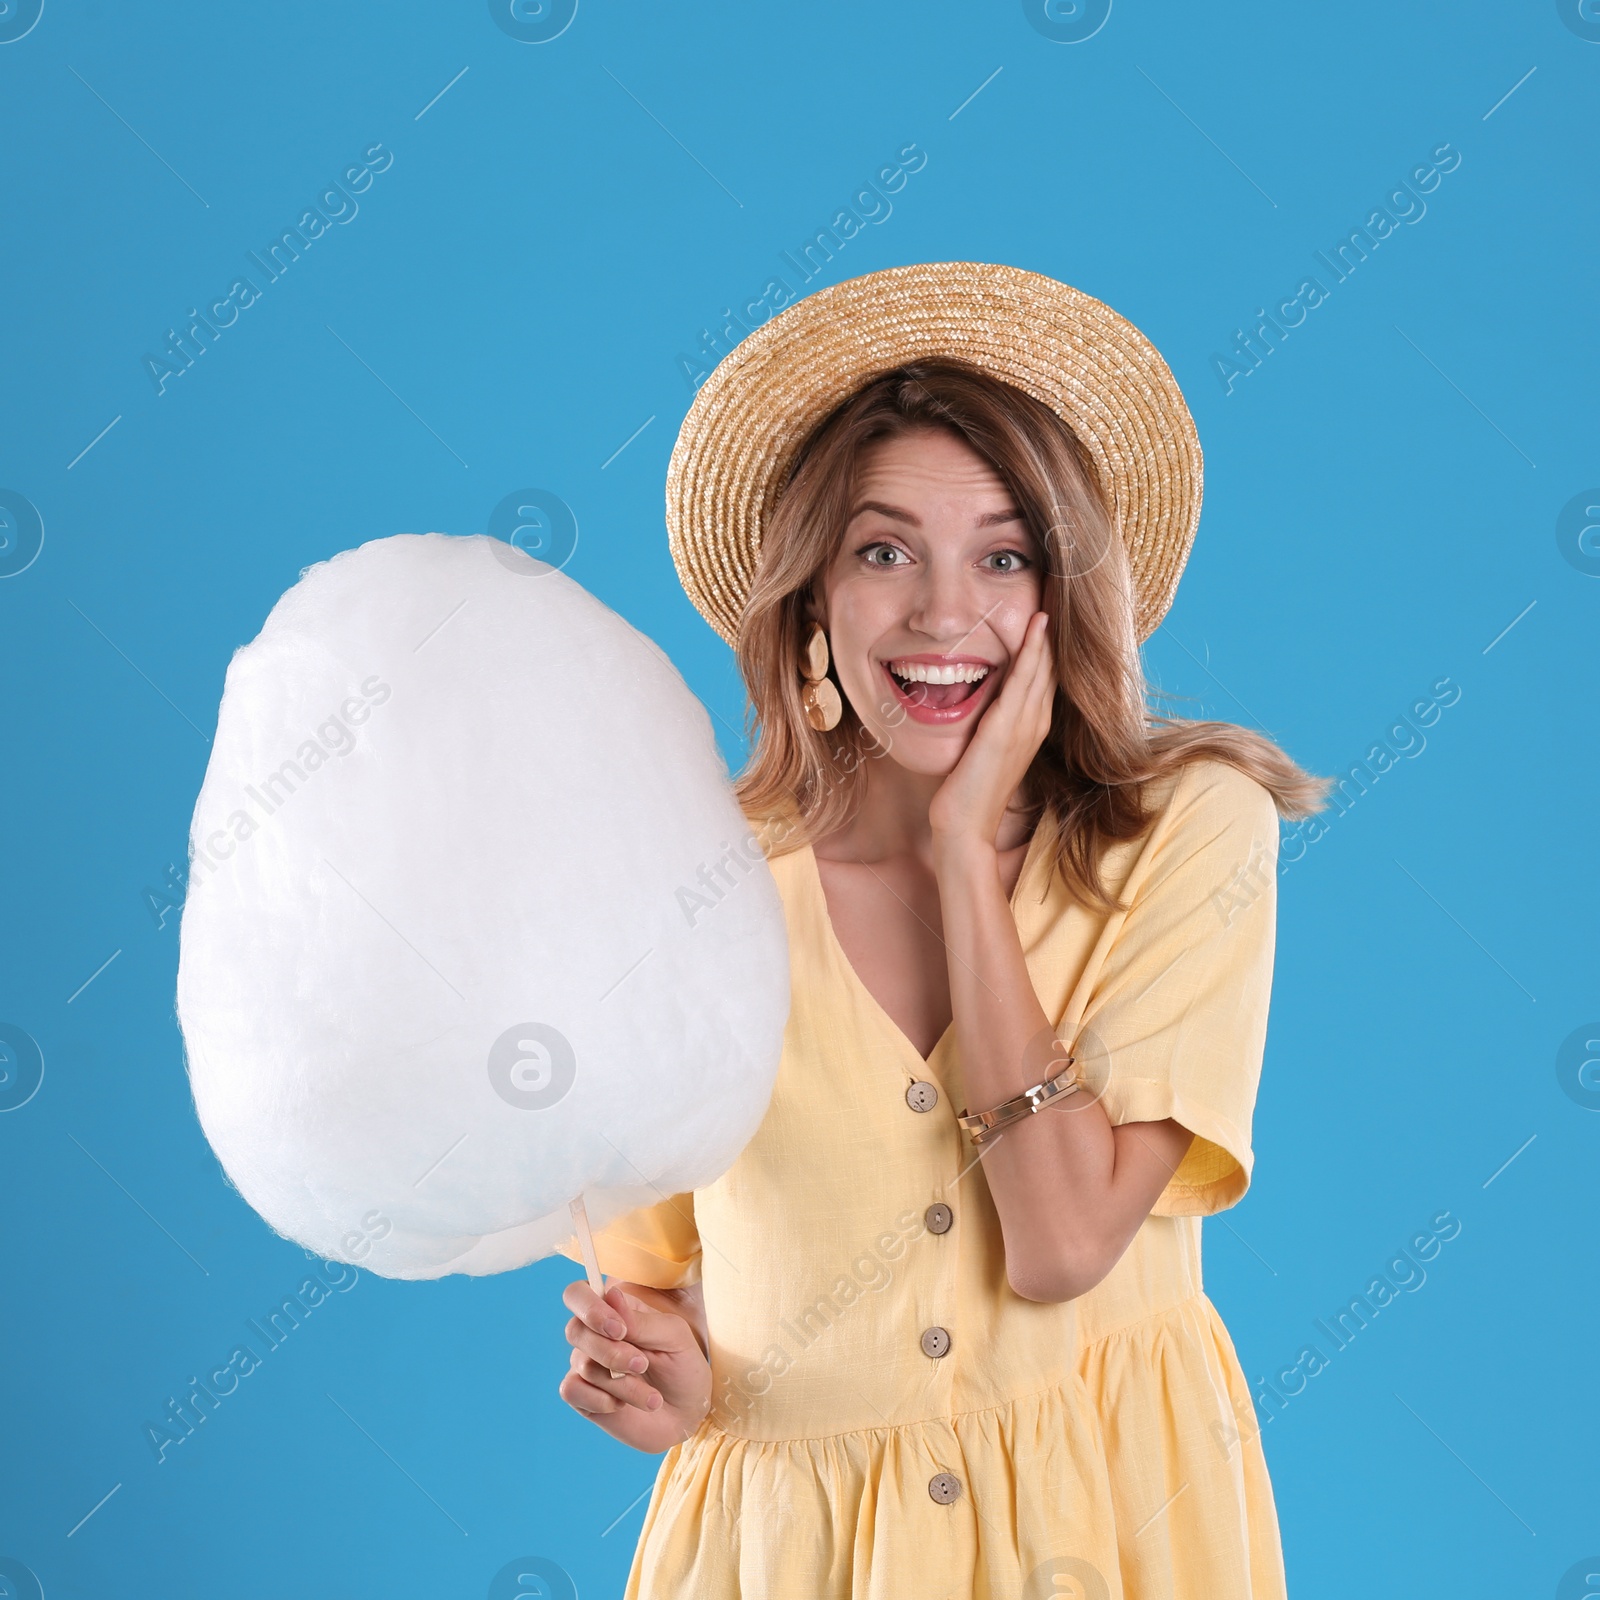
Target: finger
649,1329
1038,642
590,1309
613,1354
586,1397
999,717
1013,710
1030,660
634,1391
1044,682
1035,662
630,1390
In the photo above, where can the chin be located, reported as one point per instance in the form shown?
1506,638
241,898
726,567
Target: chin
911,748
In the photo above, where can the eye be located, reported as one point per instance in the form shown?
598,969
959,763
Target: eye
881,554
1007,561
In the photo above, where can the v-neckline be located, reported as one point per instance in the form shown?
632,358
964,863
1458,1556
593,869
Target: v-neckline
855,978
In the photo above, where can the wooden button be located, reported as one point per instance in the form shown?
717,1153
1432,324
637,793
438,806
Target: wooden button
944,1487
935,1342
938,1218
922,1096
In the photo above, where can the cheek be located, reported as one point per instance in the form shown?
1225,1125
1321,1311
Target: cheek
1010,620
857,622
857,617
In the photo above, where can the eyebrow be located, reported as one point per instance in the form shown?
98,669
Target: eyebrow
989,519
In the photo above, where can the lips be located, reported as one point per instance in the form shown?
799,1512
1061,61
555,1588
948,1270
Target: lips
938,689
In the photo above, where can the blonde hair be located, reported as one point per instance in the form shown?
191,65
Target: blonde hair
1105,743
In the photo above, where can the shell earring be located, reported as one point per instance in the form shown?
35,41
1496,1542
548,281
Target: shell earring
820,697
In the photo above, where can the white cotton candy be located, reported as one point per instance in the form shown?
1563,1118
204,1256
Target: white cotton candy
474,924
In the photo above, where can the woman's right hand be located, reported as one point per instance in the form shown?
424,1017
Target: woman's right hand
648,1336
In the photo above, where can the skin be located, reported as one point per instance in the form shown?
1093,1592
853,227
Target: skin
936,560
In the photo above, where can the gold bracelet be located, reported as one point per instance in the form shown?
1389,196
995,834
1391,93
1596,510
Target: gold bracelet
983,1125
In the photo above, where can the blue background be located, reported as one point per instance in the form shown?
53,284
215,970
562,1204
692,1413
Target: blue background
508,307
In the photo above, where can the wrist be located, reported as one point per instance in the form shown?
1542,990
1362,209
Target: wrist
959,857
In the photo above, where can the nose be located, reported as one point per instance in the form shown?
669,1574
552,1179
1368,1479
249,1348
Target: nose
945,605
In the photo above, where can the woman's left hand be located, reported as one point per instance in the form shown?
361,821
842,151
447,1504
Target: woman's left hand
971,803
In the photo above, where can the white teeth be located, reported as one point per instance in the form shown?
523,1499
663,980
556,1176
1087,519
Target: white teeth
921,672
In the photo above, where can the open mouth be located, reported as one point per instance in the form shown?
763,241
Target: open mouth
935,690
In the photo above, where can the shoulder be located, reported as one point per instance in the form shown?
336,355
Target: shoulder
1210,818
1210,794
781,839
777,832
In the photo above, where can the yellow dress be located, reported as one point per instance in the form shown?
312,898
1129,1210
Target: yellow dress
1104,1448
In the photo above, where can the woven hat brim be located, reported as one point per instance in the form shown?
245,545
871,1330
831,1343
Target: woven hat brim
1073,353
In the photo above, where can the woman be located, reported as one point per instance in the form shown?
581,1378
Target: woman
901,1348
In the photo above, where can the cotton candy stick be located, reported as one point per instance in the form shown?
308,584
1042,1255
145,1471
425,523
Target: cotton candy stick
591,1262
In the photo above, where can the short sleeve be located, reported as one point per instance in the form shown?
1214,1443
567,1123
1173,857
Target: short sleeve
1176,1022
658,1246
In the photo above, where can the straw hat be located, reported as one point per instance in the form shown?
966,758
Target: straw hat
1093,368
